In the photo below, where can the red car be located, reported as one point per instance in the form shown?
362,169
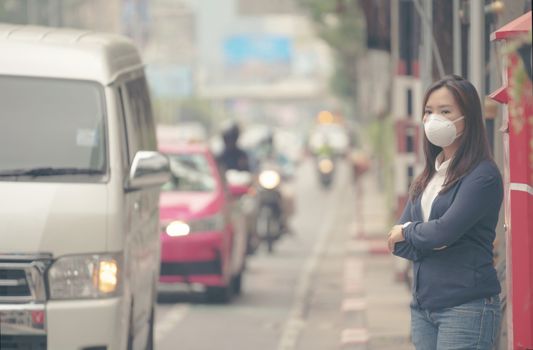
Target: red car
203,233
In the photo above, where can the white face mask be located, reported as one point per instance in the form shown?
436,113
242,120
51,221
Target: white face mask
441,131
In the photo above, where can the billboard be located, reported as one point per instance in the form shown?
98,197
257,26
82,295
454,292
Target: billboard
170,81
240,49
258,57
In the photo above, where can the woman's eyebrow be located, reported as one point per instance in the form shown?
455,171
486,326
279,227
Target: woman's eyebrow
439,106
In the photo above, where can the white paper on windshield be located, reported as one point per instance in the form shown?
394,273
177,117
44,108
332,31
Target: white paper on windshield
86,138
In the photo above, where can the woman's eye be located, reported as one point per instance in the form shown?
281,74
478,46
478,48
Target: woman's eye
445,112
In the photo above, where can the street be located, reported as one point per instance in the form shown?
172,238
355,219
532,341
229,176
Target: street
300,297
146,153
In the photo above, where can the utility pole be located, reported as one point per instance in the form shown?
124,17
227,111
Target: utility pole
426,57
457,66
476,64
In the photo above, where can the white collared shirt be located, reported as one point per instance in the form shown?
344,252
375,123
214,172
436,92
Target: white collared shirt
434,186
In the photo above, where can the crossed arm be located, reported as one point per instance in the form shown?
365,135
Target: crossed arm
474,198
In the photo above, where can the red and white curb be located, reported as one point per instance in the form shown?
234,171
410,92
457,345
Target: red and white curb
362,243
353,270
354,305
368,246
354,337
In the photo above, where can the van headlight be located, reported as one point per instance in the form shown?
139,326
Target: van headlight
269,179
85,277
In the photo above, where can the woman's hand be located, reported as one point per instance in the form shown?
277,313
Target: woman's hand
395,236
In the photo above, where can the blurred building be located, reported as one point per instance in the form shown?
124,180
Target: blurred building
84,14
374,68
259,61
251,59
430,39
170,52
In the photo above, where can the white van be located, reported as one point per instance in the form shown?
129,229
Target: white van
79,190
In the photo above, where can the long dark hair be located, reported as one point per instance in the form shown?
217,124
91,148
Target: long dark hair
474,146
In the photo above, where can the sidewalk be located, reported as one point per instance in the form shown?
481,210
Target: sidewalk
383,300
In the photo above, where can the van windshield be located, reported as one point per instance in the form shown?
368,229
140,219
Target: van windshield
51,129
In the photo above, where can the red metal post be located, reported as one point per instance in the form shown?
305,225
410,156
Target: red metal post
518,94
521,204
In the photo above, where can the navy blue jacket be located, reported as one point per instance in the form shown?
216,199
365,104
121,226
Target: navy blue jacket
464,220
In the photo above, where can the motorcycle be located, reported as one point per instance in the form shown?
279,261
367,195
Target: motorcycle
271,220
326,171
262,205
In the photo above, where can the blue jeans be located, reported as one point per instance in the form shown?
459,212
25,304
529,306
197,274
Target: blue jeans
470,326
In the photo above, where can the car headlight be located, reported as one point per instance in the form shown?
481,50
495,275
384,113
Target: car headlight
177,229
85,277
180,228
269,179
325,166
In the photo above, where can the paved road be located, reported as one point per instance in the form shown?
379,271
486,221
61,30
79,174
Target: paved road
291,298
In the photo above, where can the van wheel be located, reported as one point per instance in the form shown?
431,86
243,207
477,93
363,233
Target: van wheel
150,340
130,331
220,295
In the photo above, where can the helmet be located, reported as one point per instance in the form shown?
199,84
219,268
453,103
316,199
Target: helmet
230,132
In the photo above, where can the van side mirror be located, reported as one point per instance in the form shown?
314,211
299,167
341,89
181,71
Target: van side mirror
148,169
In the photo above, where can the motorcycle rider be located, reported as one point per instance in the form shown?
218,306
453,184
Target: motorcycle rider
325,150
325,160
267,153
233,157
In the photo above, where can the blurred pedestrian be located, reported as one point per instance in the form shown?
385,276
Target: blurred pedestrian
448,226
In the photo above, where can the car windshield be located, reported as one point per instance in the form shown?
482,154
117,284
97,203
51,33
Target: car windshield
51,128
190,173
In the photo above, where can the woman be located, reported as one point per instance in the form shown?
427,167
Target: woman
448,226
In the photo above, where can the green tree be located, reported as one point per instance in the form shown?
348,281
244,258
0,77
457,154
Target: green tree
341,24
12,11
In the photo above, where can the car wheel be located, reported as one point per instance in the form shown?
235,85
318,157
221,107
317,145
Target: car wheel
220,295
236,284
